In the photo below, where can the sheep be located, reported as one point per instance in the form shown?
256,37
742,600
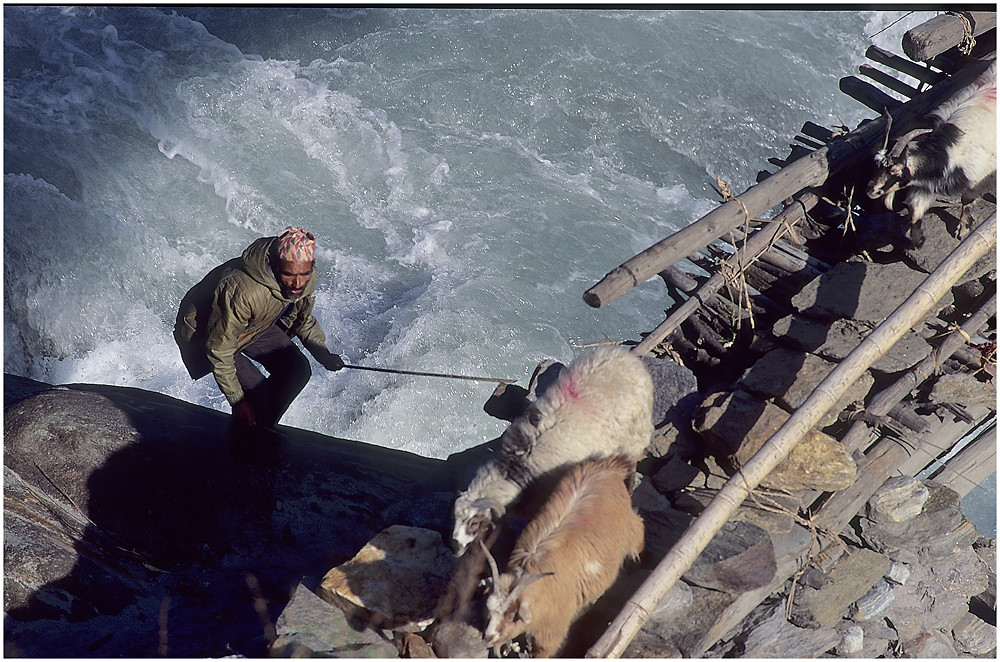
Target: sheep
566,557
601,405
954,157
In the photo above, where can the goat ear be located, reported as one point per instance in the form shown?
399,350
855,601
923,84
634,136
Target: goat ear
524,612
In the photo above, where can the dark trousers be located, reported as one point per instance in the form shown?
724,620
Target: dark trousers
288,372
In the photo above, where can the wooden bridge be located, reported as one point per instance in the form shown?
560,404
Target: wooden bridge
826,280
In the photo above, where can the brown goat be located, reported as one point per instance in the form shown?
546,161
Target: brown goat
566,557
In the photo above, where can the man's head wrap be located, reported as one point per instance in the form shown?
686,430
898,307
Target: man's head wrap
296,245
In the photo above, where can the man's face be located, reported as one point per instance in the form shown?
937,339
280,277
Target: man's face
293,276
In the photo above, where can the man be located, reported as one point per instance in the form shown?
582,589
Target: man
249,308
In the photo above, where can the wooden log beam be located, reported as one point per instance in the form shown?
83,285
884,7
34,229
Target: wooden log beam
946,31
683,554
973,464
867,94
904,66
888,81
809,171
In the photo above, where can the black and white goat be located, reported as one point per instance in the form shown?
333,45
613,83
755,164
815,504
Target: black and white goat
953,156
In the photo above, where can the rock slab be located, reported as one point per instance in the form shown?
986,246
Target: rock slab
395,581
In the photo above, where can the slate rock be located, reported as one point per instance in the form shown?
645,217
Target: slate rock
899,499
935,526
963,388
940,241
311,627
739,558
935,596
865,291
674,475
934,644
775,637
455,639
835,340
790,377
395,581
739,424
853,576
974,635
675,395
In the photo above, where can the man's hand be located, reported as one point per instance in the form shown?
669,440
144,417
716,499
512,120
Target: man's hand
328,359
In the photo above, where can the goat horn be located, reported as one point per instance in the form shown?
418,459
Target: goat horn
525,582
904,140
888,128
493,566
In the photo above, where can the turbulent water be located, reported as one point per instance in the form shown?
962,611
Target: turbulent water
468,175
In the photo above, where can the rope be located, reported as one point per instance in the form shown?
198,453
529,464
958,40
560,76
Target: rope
969,40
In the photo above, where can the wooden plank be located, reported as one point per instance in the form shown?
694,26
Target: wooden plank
820,133
888,81
867,94
904,66
971,465
946,31
935,444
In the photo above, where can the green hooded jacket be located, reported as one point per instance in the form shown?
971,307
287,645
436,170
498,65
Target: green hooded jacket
231,307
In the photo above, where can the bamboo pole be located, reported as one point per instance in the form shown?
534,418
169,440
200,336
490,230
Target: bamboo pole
809,171
683,554
759,242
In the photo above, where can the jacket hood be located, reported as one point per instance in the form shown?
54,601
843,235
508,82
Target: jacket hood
257,264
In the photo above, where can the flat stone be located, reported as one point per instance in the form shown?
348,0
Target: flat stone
853,576
675,395
674,475
865,291
898,499
964,389
940,241
835,340
898,573
930,645
775,637
974,635
940,517
311,627
739,424
739,558
790,377
455,639
395,581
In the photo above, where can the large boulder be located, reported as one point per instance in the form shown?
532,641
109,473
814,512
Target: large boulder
124,514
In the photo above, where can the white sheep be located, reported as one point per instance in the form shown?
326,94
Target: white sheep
566,557
600,406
